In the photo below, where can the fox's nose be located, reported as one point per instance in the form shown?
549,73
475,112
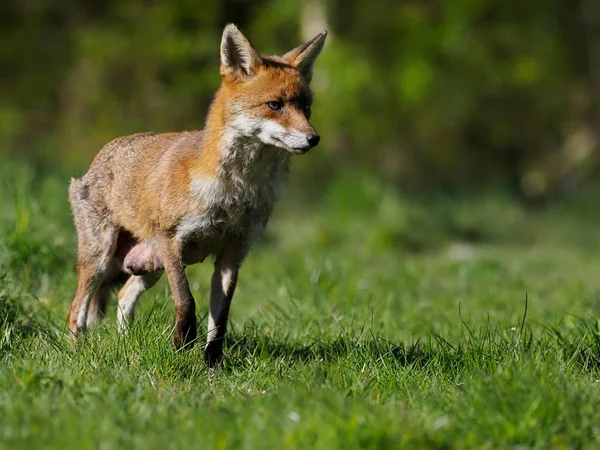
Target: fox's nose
313,139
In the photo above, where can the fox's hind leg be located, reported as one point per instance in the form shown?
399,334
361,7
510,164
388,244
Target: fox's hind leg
97,241
92,265
98,304
142,261
129,294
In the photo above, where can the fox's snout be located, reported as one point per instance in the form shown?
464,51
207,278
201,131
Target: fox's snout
312,140
294,141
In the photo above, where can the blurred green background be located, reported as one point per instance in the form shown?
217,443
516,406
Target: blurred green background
424,95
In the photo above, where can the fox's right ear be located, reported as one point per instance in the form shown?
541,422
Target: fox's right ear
239,59
303,57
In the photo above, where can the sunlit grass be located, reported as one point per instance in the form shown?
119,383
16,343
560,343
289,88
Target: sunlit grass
350,329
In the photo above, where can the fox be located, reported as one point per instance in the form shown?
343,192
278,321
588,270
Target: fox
155,203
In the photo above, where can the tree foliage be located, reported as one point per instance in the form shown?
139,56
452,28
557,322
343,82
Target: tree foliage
428,94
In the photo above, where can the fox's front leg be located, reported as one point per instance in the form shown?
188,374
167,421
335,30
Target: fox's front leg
223,284
184,333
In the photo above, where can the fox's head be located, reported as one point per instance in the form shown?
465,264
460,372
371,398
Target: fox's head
268,97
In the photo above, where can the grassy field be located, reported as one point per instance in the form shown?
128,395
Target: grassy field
363,321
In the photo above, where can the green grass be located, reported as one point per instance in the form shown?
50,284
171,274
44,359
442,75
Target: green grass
365,321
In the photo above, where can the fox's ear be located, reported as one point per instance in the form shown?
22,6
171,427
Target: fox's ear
303,58
238,57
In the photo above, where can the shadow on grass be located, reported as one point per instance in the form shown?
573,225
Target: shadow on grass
252,343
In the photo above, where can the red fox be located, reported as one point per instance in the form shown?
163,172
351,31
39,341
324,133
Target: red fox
159,202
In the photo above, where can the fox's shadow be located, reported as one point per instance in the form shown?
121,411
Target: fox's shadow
246,345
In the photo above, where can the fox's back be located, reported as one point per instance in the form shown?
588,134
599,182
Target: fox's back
132,176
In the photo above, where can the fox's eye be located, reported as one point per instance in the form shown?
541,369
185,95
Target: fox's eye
307,110
275,105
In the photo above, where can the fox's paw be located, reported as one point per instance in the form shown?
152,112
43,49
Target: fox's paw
213,353
184,334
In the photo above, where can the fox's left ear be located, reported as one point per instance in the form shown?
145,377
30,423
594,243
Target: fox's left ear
239,59
303,58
